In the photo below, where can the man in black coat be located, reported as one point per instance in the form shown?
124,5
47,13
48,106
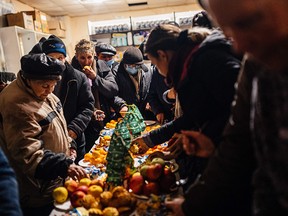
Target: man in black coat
133,79
74,93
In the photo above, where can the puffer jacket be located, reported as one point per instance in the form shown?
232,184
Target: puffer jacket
35,139
77,100
127,92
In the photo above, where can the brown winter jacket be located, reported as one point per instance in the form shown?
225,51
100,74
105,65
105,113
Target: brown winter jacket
26,134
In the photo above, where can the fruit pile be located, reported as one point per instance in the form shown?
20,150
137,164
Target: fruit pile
90,194
154,177
96,157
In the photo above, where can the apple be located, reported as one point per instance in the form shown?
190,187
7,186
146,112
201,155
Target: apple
83,188
143,170
154,171
76,198
71,185
158,160
136,183
167,180
151,188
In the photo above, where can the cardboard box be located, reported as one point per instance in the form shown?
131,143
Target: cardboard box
37,26
20,19
36,15
57,28
44,22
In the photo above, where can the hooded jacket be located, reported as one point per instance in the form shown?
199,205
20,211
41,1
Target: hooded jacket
34,137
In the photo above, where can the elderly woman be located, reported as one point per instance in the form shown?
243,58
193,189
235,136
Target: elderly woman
34,134
103,86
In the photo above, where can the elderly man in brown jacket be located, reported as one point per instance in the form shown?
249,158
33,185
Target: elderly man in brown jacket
33,133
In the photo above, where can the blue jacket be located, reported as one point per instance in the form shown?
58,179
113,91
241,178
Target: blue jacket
9,196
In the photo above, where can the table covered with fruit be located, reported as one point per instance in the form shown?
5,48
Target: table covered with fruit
119,180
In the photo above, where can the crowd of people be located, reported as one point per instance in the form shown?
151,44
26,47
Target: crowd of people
218,89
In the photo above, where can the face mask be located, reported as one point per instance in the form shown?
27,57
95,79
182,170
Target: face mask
110,62
132,70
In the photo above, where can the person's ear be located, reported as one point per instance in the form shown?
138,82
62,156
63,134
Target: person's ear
162,55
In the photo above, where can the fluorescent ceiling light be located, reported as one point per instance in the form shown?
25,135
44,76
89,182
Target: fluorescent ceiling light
91,1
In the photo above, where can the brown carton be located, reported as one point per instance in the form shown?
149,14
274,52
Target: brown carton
20,19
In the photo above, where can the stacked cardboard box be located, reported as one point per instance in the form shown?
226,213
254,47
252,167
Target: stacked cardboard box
20,19
57,28
36,19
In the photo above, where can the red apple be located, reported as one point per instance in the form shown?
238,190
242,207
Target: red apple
71,185
154,171
166,180
151,188
76,198
143,170
136,183
82,188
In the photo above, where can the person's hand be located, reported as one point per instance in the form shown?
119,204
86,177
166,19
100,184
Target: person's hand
123,111
89,72
197,144
160,118
76,172
175,205
99,115
73,154
171,93
142,147
72,134
174,147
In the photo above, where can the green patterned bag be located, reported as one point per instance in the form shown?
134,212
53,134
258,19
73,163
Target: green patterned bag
118,157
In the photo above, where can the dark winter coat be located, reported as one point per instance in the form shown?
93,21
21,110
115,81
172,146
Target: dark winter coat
77,100
226,185
155,96
127,92
104,84
206,92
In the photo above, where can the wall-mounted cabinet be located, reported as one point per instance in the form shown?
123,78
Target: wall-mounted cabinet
16,42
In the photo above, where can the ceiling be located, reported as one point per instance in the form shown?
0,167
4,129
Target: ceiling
75,8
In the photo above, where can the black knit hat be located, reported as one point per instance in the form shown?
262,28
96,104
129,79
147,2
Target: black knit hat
41,67
38,47
105,48
132,56
54,44
201,19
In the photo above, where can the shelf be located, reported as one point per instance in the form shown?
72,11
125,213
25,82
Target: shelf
16,42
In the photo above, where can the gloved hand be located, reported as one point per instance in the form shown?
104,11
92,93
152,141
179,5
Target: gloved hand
142,147
175,147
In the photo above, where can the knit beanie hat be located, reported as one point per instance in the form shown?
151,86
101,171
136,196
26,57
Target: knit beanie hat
41,67
132,56
54,44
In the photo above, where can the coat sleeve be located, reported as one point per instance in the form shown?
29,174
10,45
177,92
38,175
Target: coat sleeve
85,108
9,196
153,100
226,182
106,84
